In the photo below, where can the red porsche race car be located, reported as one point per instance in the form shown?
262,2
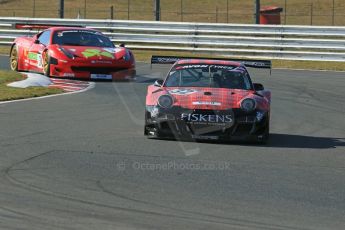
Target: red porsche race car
208,99
72,52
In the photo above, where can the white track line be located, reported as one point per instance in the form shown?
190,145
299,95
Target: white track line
63,86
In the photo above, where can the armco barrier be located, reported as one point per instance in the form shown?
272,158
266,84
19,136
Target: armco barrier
319,43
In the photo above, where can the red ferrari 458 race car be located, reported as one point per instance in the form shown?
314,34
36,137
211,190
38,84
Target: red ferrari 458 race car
72,52
207,99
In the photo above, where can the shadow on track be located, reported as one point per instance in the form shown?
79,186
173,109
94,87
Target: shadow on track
282,141
299,141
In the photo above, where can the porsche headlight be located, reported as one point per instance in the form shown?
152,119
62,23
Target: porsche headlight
165,101
248,104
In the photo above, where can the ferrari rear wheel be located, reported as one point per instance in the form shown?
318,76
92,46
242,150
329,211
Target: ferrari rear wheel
14,58
46,63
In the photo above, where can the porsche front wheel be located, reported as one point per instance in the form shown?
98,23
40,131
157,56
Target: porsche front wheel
14,58
150,131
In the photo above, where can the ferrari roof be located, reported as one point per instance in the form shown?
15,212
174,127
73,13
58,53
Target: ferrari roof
57,28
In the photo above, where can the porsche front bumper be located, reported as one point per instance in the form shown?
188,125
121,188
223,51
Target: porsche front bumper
179,123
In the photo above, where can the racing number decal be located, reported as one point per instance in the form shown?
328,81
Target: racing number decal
32,56
182,91
39,61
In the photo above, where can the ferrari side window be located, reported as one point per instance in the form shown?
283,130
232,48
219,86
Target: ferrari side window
81,38
44,37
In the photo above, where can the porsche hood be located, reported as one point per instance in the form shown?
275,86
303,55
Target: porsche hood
207,98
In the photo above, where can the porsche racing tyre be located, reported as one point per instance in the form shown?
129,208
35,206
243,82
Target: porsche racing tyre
152,133
149,131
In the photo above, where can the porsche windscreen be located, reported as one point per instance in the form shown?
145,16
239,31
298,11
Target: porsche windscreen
212,76
81,38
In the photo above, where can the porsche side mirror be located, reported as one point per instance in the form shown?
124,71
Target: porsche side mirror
122,45
258,87
37,41
158,83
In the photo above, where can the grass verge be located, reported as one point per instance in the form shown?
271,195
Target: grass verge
10,93
5,50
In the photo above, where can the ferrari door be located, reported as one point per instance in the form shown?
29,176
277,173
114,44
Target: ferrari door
36,49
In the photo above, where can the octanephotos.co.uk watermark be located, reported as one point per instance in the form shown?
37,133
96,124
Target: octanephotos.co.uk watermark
172,165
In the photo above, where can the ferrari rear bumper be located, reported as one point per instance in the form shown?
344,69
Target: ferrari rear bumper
94,72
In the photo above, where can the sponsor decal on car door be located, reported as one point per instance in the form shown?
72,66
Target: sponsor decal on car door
34,56
36,50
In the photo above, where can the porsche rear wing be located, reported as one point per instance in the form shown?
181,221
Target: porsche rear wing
261,64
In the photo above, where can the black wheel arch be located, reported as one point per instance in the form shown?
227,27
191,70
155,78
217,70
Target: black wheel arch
13,45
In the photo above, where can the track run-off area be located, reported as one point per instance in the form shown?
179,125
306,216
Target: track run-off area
81,161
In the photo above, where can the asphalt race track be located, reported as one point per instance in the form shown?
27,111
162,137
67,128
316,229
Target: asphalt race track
81,162
4,62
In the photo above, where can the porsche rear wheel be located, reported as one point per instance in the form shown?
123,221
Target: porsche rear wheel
46,63
14,58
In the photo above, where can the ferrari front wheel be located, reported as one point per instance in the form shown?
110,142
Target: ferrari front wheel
14,58
46,63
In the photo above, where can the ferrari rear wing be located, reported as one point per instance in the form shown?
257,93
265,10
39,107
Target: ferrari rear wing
23,26
262,64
